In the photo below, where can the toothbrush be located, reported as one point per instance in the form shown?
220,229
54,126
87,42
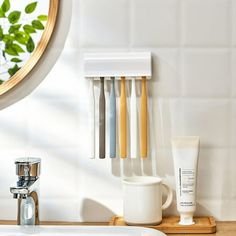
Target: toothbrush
143,120
124,66
112,119
91,121
133,122
102,125
123,153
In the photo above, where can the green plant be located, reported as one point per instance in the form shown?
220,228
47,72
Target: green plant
16,37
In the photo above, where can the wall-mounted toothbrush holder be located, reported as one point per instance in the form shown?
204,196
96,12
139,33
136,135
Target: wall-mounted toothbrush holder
119,66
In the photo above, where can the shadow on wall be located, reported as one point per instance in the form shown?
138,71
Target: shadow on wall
92,211
159,161
203,211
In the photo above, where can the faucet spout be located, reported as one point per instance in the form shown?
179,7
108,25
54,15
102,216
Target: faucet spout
25,187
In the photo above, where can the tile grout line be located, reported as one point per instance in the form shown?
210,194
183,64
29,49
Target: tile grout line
130,29
181,48
157,47
231,16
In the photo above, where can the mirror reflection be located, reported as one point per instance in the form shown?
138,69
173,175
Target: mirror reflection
22,23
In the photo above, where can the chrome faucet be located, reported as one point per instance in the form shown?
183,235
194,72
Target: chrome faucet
27,190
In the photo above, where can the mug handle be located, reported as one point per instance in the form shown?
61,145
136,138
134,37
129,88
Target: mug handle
169,197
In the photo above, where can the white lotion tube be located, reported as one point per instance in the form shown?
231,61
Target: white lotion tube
185,152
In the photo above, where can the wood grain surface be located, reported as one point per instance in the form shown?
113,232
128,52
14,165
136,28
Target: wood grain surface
171,225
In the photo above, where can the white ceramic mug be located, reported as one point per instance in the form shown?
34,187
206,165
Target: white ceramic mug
143,200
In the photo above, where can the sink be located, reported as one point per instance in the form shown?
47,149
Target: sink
77,231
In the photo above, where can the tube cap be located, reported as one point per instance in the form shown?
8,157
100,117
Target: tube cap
186,218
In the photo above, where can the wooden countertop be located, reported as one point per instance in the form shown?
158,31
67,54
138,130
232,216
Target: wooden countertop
223,228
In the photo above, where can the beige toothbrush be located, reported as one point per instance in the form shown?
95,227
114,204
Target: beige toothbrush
123,109
143,120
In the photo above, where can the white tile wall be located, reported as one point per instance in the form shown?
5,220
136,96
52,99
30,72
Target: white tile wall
234,20
154,23
233,123
166,80
44,131
101,27
192,92
14,132
206,22
59,82
231,178
212,158
206,73
233,73
207,118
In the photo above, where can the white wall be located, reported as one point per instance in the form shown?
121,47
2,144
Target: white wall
192,92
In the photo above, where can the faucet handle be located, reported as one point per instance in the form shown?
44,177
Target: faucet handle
28,167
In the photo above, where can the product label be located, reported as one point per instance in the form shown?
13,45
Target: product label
187,185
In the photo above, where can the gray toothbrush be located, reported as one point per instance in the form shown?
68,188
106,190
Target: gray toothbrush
102,121
112,119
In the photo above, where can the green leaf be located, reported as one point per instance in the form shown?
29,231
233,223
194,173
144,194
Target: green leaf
18,48
37,25
1,33
15,59
10,51
7,37
1,81
2,13
14,17
14,28
30,7
43,17
29,29
30,45
22,37
13,70
6,5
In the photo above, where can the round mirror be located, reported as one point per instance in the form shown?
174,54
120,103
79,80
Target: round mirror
26,27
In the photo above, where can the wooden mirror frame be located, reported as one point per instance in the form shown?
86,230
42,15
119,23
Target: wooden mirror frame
36,55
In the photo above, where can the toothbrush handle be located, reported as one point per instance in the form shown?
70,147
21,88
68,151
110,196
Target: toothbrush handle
112,120
133,122
143,120
123,119
102,125
91,116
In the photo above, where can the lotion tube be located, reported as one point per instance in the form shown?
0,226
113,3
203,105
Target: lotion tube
185,152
